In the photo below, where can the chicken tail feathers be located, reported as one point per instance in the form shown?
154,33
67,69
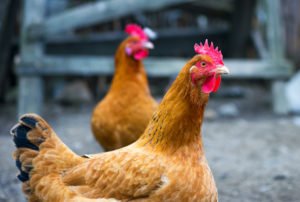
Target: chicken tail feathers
27,146
38,148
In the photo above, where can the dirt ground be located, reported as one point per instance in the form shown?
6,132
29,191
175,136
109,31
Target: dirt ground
254,158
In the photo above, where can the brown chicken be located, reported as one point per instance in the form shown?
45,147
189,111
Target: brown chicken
167,163
122,116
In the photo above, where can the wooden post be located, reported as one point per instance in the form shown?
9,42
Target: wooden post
54,7
275,30
280,105
276,49
31,87
30,94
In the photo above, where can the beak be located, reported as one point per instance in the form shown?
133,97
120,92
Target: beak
222,70
148,45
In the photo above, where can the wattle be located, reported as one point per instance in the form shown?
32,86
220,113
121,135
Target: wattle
141,54
211,84
217,83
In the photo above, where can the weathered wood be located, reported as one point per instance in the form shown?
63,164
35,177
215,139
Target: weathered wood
280,103
156,67
33,13
30,94
105,44
31,87
275,29
222,5
291,17
34,65
259,44
119,35
101,11
276,48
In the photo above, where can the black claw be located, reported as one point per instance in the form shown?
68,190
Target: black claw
29,121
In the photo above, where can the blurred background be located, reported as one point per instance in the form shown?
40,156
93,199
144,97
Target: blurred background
56,59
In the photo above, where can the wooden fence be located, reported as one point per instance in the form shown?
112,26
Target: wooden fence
34,64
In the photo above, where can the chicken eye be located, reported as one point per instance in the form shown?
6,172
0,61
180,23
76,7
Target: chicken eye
203,64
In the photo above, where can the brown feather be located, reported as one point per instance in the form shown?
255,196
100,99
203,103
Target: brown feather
122,116
167,163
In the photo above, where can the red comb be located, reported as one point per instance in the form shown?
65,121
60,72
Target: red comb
136,30
214,53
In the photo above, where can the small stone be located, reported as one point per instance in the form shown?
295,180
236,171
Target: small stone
224,176
228,110
235,193
210,114
264,188
283,149
279,177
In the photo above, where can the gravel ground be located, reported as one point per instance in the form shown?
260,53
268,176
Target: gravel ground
253,158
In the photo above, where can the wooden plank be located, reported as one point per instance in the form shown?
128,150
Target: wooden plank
259,44
274,29
30,94
119,35
280,102
98,12
276,46
221,5
105,44
31,87
156,67
33,13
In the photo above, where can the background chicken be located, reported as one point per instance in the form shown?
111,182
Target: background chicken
122,116
167,163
